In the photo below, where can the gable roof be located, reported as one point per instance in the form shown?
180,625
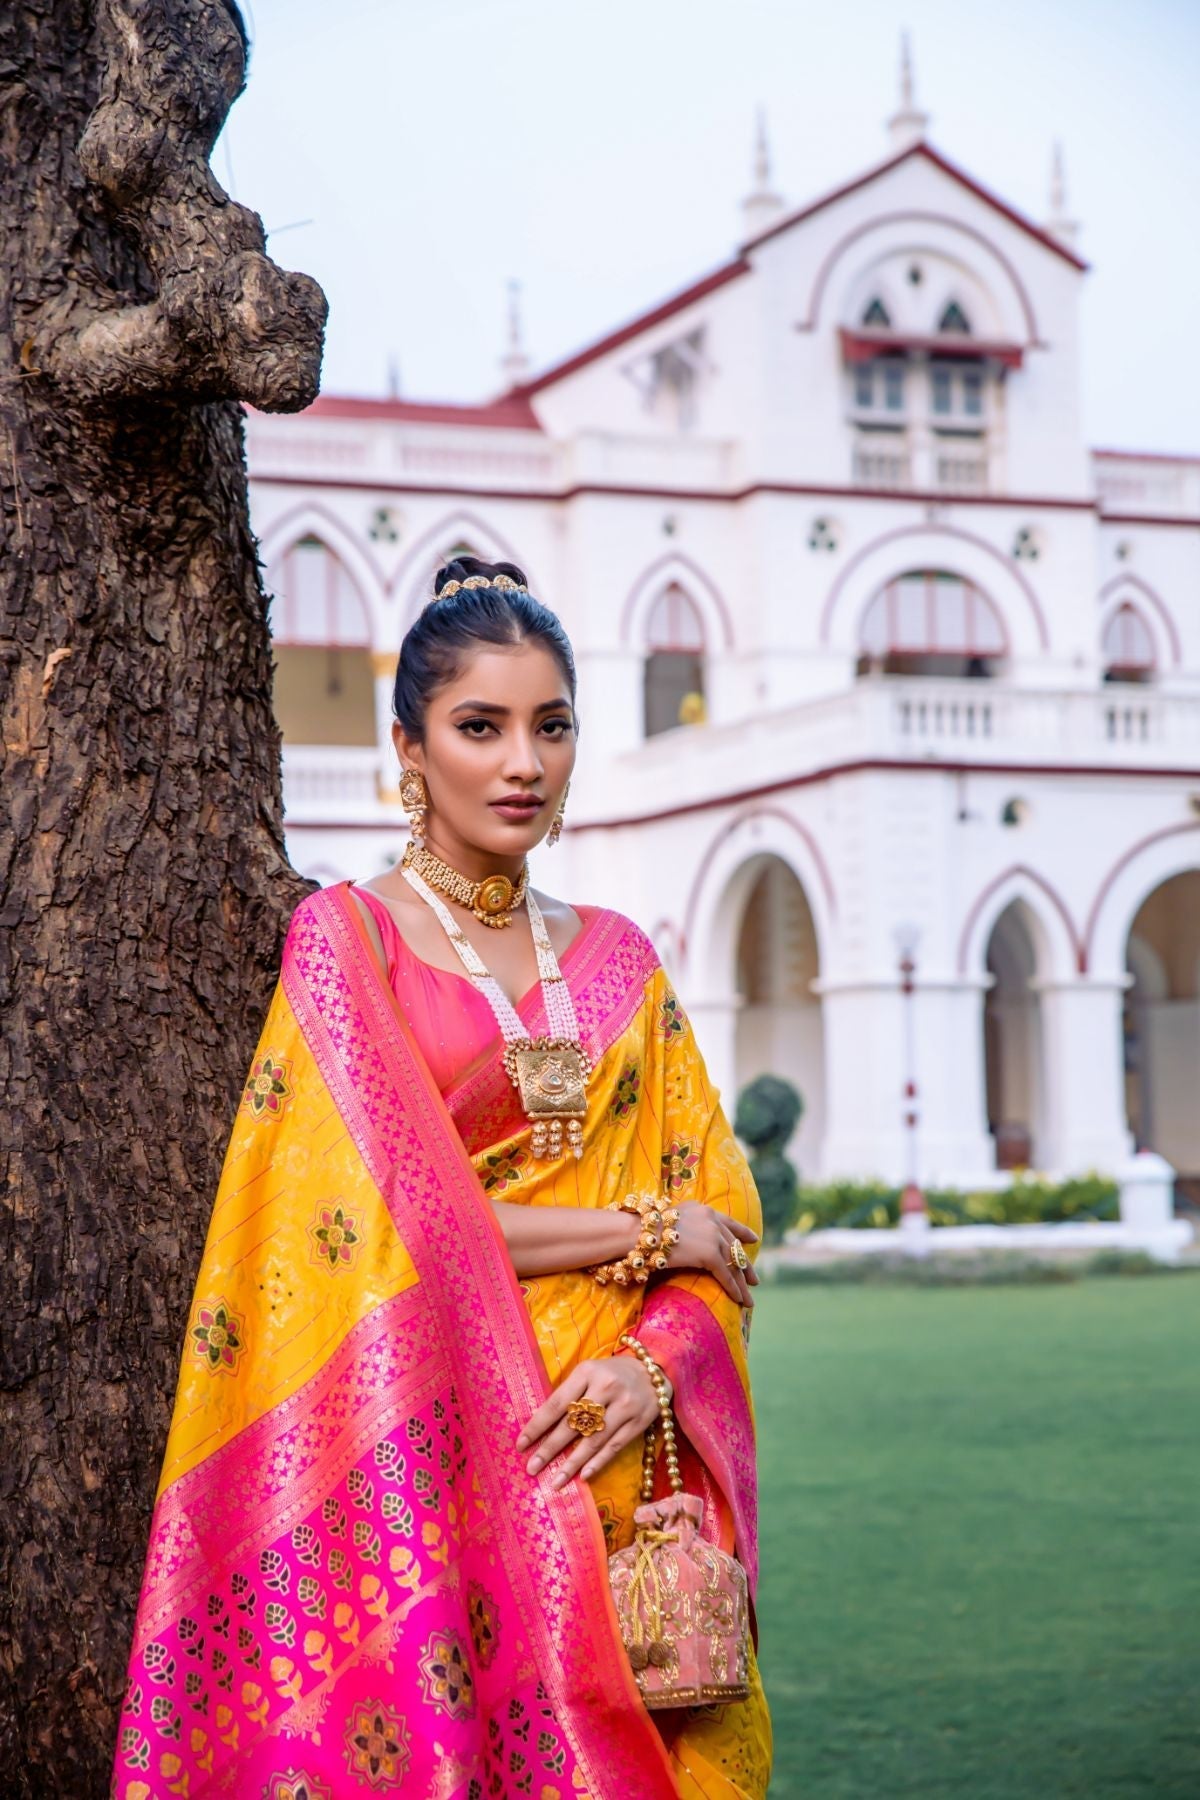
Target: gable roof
1046,238
740,264
509,411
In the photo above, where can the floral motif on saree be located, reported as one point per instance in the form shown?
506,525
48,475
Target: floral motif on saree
352,1582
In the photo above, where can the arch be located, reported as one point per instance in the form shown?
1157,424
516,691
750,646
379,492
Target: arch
1111,593
674,621
1018,958
413,578
875,313
324,607
931,614
957,551
675,568
725,874
1127,642
312,519
1016,286
1174,850
1059,939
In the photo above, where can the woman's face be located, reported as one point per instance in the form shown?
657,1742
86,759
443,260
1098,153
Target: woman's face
497,755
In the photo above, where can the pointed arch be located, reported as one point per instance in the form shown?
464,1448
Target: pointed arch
1127,642
413,580
954,318
678,570
312,519
1126,586
1061,941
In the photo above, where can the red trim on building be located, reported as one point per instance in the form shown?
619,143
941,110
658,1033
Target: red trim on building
1112,518
1150,456
941,162
863,346
917,496
1118,868
1051,893
511,412
687,296
874,766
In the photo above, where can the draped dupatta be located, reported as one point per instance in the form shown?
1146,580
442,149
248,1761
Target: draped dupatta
353,1585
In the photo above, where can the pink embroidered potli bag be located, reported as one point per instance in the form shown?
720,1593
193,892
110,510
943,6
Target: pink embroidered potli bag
682,1603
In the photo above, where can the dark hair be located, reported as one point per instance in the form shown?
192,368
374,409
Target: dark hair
446,629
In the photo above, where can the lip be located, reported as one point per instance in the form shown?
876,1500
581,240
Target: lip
517,806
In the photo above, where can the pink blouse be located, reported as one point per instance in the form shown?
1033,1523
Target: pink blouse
450,1019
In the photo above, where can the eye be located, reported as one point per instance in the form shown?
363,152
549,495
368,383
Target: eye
559,727
476,728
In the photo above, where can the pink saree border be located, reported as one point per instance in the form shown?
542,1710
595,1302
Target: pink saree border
479,1323
270,1474
679,1331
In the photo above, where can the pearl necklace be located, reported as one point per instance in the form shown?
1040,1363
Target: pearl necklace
549,1073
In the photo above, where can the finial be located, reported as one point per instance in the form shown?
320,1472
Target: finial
762,205
514,364
393,378
908,125
1059,221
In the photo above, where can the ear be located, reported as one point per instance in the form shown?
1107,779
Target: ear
409,750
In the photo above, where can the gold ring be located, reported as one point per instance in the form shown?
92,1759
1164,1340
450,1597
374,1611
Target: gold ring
586,1416
737,1256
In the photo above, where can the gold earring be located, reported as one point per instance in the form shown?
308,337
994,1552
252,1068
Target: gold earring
555,831
414,798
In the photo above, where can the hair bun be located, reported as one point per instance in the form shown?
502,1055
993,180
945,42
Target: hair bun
462,568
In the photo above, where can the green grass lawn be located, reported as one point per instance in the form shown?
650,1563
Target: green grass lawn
981,1539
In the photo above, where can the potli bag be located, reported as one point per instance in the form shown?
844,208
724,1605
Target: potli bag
681,1603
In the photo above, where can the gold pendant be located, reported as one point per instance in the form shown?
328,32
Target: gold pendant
550,1076
492,898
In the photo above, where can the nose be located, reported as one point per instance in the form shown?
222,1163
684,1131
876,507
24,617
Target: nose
523,762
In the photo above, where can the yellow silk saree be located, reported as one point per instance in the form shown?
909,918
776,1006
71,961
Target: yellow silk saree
353,1585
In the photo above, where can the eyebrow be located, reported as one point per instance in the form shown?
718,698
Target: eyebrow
502,712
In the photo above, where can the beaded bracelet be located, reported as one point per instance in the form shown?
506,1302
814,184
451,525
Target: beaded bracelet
649,1254
627,1341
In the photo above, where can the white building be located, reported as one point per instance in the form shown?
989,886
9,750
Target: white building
949,660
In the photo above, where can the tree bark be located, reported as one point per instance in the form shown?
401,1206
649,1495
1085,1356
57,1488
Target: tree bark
144,887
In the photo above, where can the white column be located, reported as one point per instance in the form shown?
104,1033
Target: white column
1082,1073
865,1101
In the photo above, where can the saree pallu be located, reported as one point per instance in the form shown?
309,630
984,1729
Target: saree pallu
353,1585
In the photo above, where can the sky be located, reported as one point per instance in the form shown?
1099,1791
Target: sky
418,155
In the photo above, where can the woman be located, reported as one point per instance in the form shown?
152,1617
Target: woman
408,1432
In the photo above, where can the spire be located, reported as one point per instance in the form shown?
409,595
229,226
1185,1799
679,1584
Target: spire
762,205
393,378
908,125
1059,221
514,364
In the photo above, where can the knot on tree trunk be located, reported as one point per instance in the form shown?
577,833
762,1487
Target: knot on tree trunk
226,323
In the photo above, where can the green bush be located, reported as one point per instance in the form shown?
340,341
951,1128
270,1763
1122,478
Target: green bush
1029,1200
768,1111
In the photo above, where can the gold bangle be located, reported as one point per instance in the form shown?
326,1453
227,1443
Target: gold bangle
647,1256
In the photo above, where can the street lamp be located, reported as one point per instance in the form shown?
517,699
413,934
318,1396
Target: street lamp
913,1214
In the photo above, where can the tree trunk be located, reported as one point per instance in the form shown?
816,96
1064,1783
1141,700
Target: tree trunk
143,883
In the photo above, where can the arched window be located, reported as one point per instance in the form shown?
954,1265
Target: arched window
1128,647
954,319
929,622
876,313
674,690
324,692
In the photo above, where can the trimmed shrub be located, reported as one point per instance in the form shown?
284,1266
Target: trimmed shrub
768,1111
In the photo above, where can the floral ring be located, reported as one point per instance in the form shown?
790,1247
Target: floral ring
586,1416
737,1256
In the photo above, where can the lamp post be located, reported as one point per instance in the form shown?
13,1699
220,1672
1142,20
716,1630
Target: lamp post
913,1214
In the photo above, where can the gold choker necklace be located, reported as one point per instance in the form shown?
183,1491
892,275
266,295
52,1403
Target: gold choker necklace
493,900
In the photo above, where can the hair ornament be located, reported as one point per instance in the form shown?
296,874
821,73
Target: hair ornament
505,583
